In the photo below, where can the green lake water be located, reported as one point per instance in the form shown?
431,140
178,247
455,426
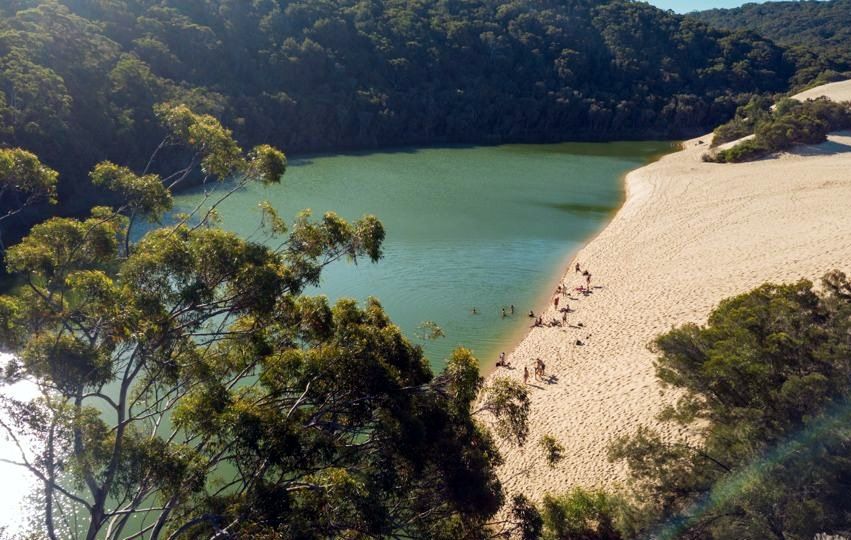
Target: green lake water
466,226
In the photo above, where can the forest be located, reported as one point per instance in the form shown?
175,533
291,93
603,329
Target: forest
79,78
816,34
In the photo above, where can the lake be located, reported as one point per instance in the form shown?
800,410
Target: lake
483,227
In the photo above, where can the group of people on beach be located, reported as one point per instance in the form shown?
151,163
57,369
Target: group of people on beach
562,290
540,368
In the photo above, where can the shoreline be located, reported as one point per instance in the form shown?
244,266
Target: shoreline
488,367
688,235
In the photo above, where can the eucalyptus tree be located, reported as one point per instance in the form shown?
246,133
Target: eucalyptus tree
24,181
190,389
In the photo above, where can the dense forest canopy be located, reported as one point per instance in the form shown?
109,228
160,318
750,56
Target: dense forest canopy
79,78
817,33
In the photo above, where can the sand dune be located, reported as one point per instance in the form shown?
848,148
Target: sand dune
689,235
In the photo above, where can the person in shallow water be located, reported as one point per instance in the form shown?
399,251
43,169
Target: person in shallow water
503,313
474,311
531,314
512,309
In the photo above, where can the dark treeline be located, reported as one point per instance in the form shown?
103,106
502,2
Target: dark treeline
79,78
817,33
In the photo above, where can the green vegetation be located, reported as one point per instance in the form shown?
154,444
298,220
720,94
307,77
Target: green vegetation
188,388
586,515
764,389
24,181
790,123
817,34
553,450
79,78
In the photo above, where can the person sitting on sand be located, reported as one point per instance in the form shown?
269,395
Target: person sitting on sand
501,362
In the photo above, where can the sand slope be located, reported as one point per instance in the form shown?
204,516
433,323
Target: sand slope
689,235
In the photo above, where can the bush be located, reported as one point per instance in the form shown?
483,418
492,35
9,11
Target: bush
791,123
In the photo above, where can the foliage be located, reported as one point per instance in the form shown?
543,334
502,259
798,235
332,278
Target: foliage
24,181
507,400
79,78
817,34
585,515
553,450
764,387
189,388
744,122
790,123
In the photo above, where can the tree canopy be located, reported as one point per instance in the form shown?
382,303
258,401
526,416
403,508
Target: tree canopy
764,392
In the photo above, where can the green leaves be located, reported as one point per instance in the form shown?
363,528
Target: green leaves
763,384
553,450
789,124
66,362
584,514
144,194
219,154
267,164
24,178
61,245
507,400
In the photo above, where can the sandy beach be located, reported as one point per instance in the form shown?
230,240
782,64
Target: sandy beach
689,235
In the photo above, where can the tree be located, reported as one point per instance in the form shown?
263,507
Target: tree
585,515
189,388
24,181
764,389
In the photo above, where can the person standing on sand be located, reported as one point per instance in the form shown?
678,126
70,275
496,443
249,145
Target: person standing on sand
577,268
525,375
588,281
564,318
555,301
